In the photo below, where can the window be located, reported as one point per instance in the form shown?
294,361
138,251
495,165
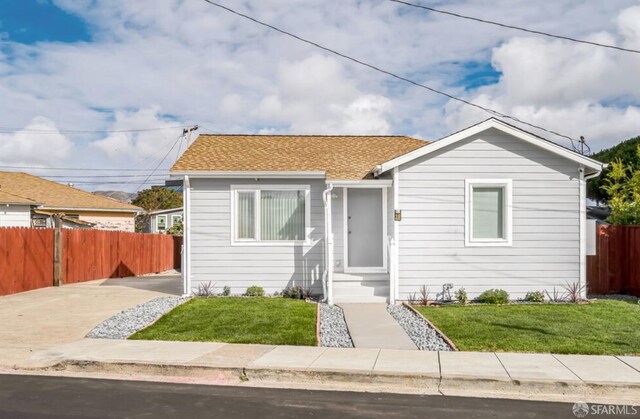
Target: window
270,214
488,212
161,222
176,219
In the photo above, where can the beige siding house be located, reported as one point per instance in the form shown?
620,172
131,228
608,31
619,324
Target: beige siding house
42,198
373,218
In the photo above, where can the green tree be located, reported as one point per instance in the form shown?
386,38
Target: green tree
622,184
176,229
154,199
625,152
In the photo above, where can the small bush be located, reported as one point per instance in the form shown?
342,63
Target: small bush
534,297
574,291
461,296
205,289
424,295
254,291
494,296
293,292
226,291
556,296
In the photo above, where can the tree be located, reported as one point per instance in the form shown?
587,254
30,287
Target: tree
176,229
622,184
154,199
625,152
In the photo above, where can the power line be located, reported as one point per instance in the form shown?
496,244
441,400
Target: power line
161,161
394,75
97,176
76,169
5,130
517,28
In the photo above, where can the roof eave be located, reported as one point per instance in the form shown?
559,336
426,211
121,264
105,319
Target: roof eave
587,162
248,174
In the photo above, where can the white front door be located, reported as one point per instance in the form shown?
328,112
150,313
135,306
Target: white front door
365,229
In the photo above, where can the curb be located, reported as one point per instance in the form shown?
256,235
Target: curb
355,380
433,326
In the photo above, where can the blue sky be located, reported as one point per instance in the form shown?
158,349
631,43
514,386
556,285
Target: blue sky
120,65
31,21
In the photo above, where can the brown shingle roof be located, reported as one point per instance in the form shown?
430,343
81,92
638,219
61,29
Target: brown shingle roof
341,157
56,195
9,198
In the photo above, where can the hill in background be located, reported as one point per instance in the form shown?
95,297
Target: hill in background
625,151
125,197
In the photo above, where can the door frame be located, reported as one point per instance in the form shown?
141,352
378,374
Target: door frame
345,227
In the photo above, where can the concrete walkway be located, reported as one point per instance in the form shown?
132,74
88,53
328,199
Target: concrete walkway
371,326
606,379
46,317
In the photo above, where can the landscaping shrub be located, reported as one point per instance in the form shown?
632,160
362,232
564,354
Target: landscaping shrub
461,296
424,295
534,297
205,289
494,296
574,291
295,292
254,291
226,291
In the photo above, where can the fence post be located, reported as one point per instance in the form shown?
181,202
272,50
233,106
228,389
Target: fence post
57,250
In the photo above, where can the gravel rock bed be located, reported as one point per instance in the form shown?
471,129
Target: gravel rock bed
129,321
422,334
333,328
621,297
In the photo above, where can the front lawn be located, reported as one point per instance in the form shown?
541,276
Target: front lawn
275,321
603,327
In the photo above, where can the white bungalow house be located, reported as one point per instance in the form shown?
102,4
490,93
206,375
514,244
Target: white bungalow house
375,218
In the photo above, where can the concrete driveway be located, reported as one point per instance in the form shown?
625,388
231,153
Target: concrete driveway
36,320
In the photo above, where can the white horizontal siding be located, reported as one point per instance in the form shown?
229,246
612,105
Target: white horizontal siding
215,260
546,241
15,216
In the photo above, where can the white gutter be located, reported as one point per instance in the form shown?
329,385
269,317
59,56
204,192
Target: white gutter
249,174
583,228
186,245
327,275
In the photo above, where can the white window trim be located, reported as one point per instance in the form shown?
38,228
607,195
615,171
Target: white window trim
158,217
256,188
507,185
173,219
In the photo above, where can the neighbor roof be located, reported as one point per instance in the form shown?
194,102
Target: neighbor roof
340,157
56,195
9,198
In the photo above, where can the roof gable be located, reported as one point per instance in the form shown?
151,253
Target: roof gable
55,195
337,157
593,165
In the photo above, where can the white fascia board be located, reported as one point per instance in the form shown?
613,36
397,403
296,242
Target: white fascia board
166,211
364,183
250,174
478,128
133,211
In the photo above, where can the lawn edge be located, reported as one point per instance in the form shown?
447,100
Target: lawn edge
318,343
438,331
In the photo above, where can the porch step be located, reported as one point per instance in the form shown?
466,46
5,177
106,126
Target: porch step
360,288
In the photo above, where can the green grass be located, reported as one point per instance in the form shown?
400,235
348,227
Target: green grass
275,321
604,327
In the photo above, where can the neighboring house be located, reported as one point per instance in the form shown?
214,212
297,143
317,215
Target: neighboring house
162,220
32,201
372,218
15,211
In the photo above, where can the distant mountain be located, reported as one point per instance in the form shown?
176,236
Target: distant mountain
121,196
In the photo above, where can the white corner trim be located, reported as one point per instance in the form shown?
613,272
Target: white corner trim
257,242
469,241
583,234
476,129
250,174
186,244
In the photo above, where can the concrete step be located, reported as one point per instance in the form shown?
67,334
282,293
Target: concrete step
344,277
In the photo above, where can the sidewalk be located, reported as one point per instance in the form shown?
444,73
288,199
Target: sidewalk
604,379
371,326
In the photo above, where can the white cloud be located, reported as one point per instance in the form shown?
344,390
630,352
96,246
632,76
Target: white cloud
27,147
154,63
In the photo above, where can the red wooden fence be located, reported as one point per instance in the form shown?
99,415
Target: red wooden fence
615,269
26,256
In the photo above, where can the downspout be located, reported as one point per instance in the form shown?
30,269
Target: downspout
186,245
583,228
327,275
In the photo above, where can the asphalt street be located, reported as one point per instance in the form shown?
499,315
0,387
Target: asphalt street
24,396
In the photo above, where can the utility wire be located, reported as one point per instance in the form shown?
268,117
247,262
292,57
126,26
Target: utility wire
517,28
5,130
160,163
389,73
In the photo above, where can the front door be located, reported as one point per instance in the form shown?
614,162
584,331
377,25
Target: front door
365,219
